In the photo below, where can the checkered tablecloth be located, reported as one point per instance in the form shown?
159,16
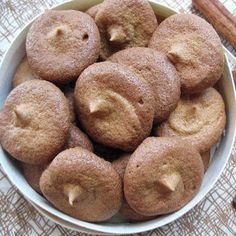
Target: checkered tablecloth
213,216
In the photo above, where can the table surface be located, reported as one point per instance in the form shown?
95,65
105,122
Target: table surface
213,216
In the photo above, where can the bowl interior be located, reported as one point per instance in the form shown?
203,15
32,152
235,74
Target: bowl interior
116,226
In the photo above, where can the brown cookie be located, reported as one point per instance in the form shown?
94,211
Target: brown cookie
82,185
131,215
32,174
69,93
77,138
162,175
92,11
120,165
199,119
206,157
114,106
124,24
34,122
61,44
195,49
23,73
154,68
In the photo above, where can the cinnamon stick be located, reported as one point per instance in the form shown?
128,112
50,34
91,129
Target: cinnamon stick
219,17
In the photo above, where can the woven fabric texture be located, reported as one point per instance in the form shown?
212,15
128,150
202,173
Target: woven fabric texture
213,216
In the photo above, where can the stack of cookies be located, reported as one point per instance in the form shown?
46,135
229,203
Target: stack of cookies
91,91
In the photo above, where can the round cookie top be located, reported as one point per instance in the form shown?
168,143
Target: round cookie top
158,72
124,24
199,119
32,174
162,175
61,44
34,122
195,49
78,138
82,185
23,73
115,107
120,165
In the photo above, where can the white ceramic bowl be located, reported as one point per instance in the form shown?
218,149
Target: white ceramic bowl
10,62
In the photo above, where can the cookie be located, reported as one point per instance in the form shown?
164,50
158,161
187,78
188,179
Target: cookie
61,44
195,49
23,73
120,164
69,94
34,122
156,69
82,185
199,119
114,106
124,24
77,138
206,157
162,175
92,11
32,174
126,211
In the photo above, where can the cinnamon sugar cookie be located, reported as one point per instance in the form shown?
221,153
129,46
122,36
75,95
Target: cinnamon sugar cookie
114,106
131,215
82,185
32,174
120,165
199,119
77,138
34,122
23,73
124,24
162,175
195,49
61,44
154,68
69,93
92,11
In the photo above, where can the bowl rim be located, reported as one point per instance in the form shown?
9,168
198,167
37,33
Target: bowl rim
110,228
